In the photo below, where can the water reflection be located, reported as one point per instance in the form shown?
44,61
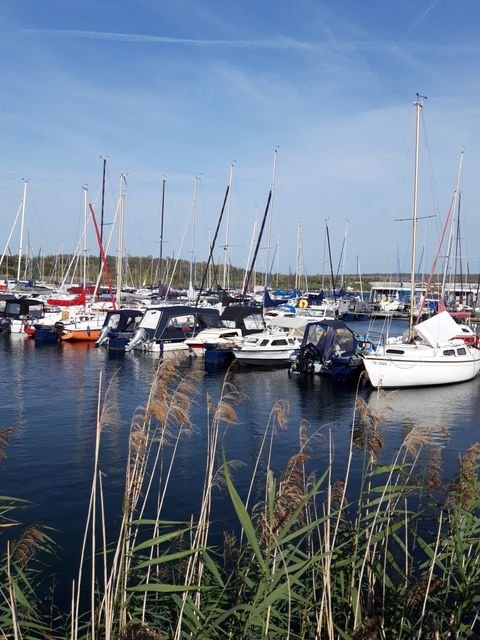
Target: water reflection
51,395
447,413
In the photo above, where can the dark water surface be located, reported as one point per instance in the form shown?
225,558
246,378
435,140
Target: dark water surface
49,395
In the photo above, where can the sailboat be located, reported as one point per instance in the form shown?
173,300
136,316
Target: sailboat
87,325
429,353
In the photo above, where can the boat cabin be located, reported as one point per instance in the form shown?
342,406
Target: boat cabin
329,347
171,325
247,319
21,308
119,323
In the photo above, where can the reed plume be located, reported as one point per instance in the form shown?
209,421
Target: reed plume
6,434
465,488
432,476
288,501
28,545
305,563
366,433
140,631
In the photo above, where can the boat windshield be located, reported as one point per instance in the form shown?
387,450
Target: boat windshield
113,321
343,340
314,334
254,322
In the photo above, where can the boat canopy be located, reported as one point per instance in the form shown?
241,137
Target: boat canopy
247,319
122,319
178,320
234,313
437,329
13,307
330,337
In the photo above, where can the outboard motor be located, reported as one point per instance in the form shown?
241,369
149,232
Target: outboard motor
102,337
139,336
5,326
59,327
305,358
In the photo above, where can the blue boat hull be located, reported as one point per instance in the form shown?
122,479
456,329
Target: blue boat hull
45,336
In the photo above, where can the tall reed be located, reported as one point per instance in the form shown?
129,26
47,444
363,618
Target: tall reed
383,552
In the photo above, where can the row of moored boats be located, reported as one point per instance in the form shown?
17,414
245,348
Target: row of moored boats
307,338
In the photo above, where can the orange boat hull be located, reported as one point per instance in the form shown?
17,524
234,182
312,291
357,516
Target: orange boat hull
81,335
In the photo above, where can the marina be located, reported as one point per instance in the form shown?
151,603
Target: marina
239,321
49,395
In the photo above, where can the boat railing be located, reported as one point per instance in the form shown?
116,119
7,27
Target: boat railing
376,338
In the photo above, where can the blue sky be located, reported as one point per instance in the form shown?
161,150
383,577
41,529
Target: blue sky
183,89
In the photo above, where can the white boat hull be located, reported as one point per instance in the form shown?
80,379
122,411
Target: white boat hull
421,369
197,347
222,338
263,358
17,326
166,347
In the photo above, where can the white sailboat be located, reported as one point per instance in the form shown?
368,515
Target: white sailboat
430,353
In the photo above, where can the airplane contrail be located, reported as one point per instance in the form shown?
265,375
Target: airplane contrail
280,42
421,18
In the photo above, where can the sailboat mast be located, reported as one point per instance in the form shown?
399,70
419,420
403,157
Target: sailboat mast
212,245
459,257
259,239
194,205
297,265
418,108
7,248
278,258
84,274
324,254
161,227
22,223
121,227
226,283
452,225
272,189
344,253
360,279
250,250
103,206
331,264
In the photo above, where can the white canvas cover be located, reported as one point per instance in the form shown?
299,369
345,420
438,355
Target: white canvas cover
437,329
295,325
289,322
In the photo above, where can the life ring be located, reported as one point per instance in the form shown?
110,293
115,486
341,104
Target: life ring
303,304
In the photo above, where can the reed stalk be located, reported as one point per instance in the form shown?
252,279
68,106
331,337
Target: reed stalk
430,574
315,558
12,599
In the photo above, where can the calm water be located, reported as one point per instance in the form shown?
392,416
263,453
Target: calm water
49,394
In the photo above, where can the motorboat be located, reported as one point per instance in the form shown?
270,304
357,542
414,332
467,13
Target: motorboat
330,347
265,349
165,328
235,323
272,347
19,311
118,327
